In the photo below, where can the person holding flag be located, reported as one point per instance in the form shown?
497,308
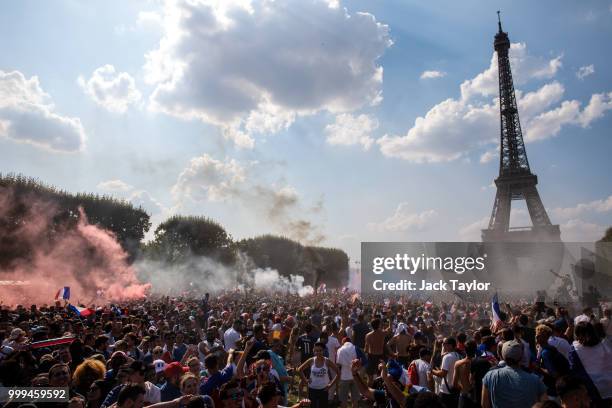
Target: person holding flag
497,322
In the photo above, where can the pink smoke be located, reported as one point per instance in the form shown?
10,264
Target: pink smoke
85,257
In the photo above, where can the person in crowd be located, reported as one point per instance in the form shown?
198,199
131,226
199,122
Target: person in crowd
232,335
449,395
590,359
462,378
319,382
170,390
399,345
551,364
573,392
510,386
95,394
344,359
86,373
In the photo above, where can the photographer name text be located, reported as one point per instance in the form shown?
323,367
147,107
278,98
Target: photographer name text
441,285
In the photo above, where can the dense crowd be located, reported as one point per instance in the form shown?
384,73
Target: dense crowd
259,349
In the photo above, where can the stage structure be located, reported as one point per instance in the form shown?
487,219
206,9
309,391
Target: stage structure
515,180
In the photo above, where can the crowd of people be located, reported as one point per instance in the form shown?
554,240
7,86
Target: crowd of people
255,349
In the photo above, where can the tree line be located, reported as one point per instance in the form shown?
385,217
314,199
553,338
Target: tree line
175,240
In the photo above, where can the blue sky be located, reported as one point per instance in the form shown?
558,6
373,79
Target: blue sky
302,117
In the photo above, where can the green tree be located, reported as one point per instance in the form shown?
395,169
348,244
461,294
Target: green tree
24,197
180,237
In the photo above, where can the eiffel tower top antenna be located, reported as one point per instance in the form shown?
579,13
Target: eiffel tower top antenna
499,22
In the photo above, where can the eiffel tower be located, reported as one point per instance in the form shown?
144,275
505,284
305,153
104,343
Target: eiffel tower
515,180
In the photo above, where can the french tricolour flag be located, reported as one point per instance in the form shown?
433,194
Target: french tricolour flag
495,312
81,311
63,293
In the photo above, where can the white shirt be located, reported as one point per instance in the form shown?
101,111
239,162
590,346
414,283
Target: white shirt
561,345
423,367
152,393
332,347
448,364
230,337
345,356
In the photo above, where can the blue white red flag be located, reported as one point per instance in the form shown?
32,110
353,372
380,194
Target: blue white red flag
63,293
81,311
495,313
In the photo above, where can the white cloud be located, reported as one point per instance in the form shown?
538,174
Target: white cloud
114,186
489,155
404,220
209,179
448,131
146,201
596,206
114,91
598,105
472,232
585,71
206,179
253,67
455,128
27,115
350,130
433,74
524,67
576,230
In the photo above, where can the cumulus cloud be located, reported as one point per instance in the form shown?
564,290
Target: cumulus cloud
577,230
598,105
114,186
350,130
433,74
596,206
206,178
112,90
585,71
253,67
454,128
403,219
209,179
27,115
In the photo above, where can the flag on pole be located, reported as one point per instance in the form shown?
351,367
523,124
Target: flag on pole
63,293
495,313
80,311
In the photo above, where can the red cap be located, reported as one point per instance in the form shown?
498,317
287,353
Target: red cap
173,369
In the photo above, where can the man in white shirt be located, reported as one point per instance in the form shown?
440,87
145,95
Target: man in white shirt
232,335
344,358
446,372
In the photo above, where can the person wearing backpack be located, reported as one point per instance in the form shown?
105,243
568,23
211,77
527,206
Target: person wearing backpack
550,363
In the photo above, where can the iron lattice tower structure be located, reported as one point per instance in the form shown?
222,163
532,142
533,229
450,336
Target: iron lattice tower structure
515,180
